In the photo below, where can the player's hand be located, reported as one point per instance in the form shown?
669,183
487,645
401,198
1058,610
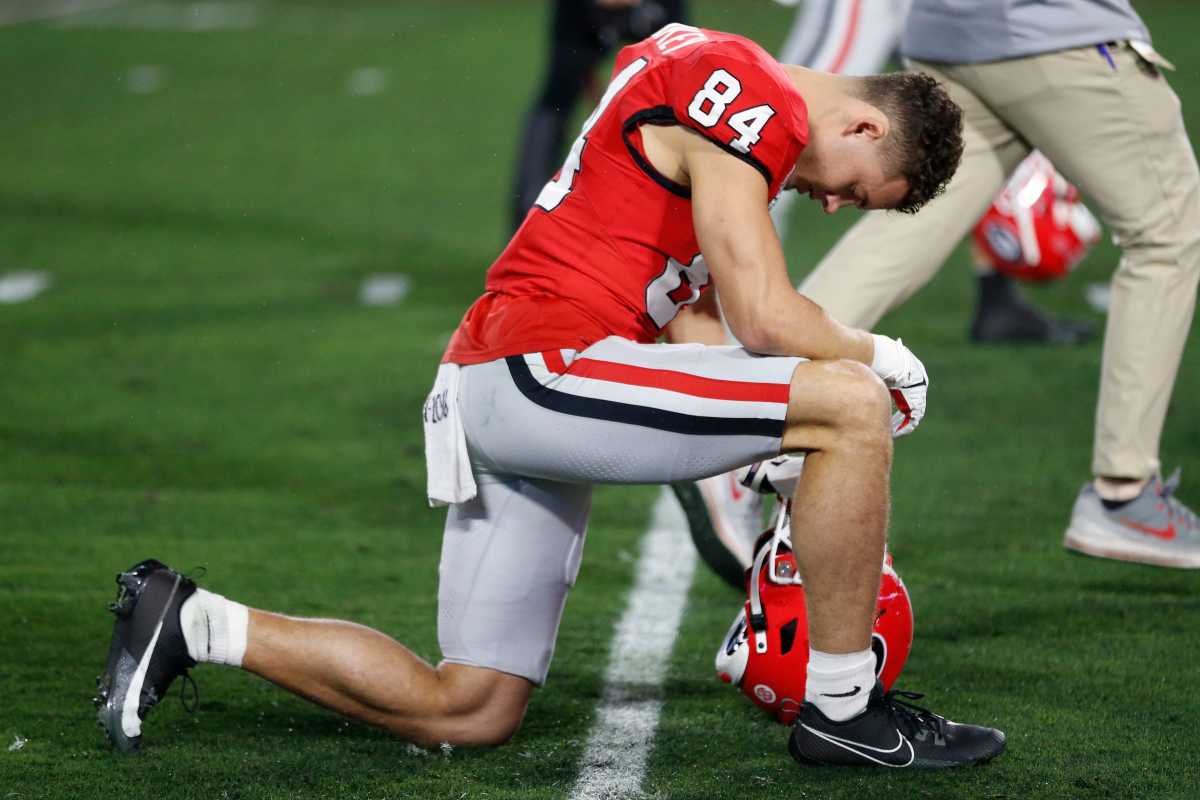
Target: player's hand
906,379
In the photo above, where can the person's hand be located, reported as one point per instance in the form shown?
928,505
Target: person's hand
906,379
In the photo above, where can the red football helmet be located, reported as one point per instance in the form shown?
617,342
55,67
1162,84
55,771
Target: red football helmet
1037,229
765,653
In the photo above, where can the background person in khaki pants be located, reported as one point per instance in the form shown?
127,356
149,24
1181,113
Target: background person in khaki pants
1079,81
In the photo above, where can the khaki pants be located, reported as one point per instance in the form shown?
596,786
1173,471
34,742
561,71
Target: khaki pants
1119,136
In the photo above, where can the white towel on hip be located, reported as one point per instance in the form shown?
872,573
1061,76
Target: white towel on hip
447,462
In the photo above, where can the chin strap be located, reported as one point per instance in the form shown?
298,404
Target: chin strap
768,555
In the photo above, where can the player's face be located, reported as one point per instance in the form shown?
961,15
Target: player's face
843,164
853,176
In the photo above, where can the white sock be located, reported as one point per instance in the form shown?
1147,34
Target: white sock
839,684
214,628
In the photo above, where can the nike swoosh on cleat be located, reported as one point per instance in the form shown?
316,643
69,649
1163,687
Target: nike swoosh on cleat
850,693
858,748
1167,533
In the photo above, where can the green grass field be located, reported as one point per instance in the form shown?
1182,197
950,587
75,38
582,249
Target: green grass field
201,384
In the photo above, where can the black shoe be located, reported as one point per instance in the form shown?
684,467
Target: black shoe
147,651
1028,325
1002,315
891,733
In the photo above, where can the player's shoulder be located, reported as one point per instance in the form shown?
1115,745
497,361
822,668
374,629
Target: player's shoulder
719,44
731,91
690,54
677,45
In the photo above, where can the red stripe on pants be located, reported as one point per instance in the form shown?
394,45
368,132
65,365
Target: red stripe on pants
682,382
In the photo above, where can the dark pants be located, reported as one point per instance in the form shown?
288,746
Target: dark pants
581,36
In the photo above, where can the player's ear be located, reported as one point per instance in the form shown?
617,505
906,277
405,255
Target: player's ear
870,122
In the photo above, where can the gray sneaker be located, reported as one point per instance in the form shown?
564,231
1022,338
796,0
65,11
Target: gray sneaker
1153,528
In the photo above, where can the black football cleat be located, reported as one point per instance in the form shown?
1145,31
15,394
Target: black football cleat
891,733
147,652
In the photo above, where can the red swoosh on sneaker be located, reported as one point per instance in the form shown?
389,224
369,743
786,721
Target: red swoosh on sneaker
737,491
1167,533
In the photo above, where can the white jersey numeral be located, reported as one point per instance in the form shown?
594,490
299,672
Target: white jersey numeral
712,101
678,285
554,192
749,124
716,100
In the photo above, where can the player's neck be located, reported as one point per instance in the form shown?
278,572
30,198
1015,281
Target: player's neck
825,94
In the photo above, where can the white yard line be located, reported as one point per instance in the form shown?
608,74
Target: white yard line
15,11
622,737
18,287
198,17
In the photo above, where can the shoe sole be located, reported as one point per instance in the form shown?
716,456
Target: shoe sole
727,532
706,537
922,764
1090,539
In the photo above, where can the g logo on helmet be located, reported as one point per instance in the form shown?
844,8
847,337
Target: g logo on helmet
1037,228
1003,241
764,693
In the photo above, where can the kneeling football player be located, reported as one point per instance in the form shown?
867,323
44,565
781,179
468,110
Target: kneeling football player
555,381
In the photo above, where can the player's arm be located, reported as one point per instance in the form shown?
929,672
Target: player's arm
745,259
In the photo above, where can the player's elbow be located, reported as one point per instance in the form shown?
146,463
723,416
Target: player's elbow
754,334
754,320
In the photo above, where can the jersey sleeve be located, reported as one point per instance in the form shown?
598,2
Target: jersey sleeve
737,99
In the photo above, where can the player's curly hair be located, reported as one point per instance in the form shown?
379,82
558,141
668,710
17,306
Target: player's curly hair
926,132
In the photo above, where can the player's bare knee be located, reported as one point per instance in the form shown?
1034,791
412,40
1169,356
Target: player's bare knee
837,404
487,725
858,401
478,708
495,727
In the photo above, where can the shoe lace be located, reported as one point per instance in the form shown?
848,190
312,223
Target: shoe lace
1176,510
913,719
186,678
185,681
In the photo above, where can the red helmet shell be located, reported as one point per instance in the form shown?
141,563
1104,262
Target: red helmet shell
774,680
1037,229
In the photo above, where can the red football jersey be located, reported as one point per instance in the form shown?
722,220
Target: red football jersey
609,247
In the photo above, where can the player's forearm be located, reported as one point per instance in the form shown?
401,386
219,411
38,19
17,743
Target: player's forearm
790,324
823,337
764,312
